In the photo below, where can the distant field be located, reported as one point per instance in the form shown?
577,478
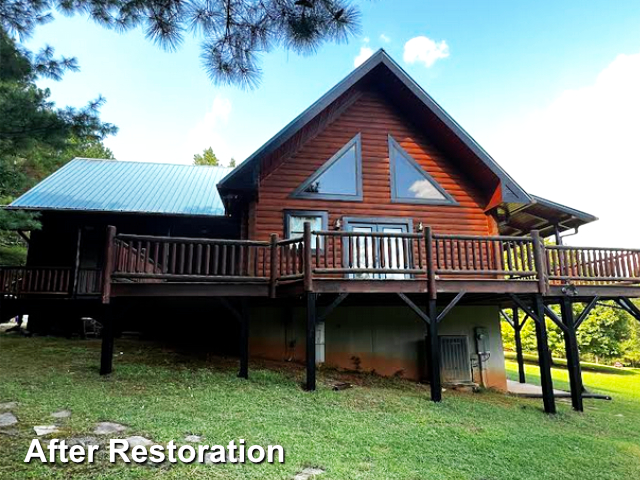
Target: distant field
380,429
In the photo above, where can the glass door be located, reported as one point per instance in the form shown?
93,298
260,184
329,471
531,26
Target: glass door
375,252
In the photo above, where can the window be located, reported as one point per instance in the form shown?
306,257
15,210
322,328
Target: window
294,221
340,178
410,183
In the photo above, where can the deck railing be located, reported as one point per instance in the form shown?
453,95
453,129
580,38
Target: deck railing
152,258
592,264
367,255
509,257
59,281
324,254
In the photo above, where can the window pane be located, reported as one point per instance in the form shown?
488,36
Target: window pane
340,178
296,227
410,182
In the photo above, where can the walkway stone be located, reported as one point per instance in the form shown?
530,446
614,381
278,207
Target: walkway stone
137,440
308,473
61,414
193,438
7,419
45,429
8,405
107,428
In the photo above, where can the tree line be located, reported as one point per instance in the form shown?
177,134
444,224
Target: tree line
609,334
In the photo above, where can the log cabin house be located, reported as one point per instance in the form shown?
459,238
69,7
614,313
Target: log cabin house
372,233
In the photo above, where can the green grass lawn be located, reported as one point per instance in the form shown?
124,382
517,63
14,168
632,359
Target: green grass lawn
380,429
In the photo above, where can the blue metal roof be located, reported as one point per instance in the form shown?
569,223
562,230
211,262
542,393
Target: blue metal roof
140,187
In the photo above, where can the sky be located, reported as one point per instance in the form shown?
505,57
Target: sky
550,89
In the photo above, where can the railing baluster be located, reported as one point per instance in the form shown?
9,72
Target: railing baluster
232,261
223,260
190,259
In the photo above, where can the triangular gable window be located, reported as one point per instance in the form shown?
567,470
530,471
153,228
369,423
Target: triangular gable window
410,183
340,178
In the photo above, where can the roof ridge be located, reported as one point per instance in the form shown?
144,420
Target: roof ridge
112,160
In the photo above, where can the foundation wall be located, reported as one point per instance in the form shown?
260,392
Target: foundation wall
386,340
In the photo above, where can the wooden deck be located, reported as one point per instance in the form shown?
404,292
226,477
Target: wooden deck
336,262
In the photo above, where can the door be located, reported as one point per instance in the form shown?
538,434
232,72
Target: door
371,252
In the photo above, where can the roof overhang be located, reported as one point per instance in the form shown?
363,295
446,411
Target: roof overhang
541,214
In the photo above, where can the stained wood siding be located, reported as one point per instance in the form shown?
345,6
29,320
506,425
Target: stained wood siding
374,118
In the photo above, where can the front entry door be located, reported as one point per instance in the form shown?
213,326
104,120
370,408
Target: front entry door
388,254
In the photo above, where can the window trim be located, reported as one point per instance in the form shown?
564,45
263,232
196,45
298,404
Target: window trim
322,214
394,145
300,191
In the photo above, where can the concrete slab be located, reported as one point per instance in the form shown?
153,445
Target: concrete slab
527,389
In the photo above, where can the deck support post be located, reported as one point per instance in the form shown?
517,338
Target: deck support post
544,356
311,342
434,352
106,352
573,354
517,329
244,339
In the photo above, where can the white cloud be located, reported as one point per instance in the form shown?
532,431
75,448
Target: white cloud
384,38
424,50
583,150
366,40
365,53
209,132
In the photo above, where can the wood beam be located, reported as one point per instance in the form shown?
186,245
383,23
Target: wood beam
524,307
585,313
628,305
332,306
311,342
518,340
244,339
544,356
106,351
573,354
426,318
449,307
507,319
434,353
554,318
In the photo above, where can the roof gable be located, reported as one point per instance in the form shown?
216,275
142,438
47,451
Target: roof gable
128,187
383,70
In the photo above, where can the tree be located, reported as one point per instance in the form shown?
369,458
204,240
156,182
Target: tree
207,157
608,333
36,138
233,32
631,347
232,162
603,333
